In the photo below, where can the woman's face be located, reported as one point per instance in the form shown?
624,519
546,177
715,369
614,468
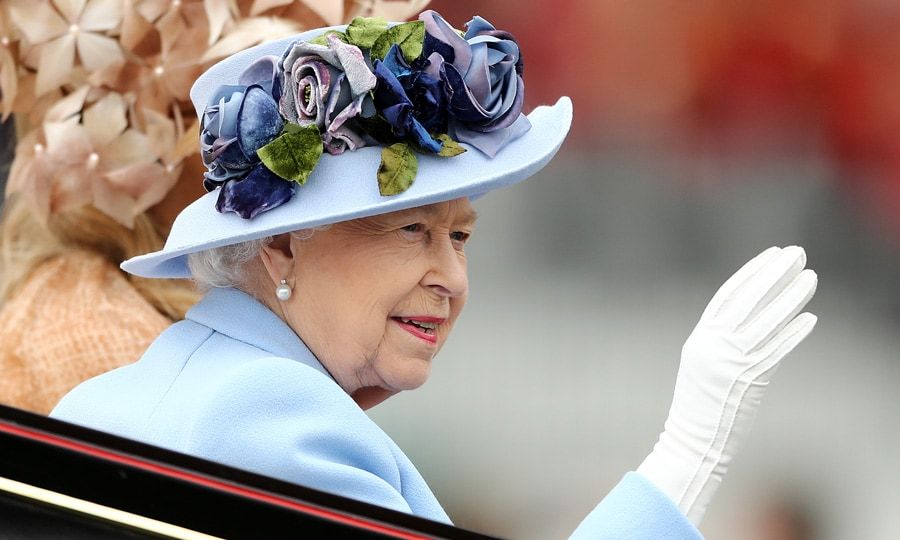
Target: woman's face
375,298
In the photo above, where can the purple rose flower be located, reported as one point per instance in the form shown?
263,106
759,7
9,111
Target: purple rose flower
483,71
413,102
327,85
237,122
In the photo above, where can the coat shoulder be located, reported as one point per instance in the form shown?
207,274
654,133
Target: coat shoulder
287,420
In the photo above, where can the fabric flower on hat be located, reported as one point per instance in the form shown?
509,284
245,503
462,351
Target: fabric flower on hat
483,69
238,121
415,87
413,102
327,85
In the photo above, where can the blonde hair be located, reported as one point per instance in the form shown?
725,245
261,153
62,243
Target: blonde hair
26,242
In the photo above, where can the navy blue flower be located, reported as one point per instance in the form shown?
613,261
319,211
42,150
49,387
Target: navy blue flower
259,191
413,102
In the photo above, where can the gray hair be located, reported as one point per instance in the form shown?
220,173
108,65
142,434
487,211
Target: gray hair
226,266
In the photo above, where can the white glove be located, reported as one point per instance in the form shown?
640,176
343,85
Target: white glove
749,326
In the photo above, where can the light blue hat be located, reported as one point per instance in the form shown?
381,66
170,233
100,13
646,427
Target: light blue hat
343,187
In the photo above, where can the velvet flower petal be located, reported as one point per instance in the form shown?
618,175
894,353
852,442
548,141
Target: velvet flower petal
258,122
259,191
237,122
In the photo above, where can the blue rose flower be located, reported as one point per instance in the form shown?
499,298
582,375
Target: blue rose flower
483,72
413,102
238,121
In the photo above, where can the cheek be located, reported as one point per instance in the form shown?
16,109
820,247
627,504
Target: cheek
383,286
353,320
353,305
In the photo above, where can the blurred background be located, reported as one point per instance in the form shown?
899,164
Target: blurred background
704,132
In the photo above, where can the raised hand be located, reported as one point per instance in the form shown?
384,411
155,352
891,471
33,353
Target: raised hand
750,324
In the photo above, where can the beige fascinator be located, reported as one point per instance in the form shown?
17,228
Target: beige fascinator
100,88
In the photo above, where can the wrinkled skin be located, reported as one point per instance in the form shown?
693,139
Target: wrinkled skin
353,281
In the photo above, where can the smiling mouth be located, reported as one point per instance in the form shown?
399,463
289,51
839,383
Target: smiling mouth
422,328
427,327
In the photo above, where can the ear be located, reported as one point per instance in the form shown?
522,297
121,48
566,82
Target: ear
278,258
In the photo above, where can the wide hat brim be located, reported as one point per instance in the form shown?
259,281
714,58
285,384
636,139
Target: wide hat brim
345,187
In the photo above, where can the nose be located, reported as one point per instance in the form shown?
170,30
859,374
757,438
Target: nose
447,274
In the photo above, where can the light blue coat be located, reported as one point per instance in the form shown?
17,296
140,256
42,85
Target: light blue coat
233,383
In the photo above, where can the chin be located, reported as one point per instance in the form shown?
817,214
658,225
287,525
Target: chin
408,375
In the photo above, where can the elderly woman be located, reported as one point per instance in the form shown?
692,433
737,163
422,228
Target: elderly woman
342,166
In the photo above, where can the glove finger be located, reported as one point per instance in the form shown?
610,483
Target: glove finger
780,345
763,287
733,283
757,331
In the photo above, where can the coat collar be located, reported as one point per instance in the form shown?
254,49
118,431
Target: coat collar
238,315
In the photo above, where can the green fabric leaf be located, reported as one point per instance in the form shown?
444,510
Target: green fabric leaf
450,148
398,169
320,39
293,154
364,31
409,36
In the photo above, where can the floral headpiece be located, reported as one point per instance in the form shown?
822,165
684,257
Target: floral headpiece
417,87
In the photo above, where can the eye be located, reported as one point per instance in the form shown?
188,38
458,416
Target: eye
459,237
412,232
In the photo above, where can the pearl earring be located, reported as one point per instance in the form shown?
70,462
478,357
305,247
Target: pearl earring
283,291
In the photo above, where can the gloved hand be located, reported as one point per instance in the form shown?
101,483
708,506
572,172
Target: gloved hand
726,364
